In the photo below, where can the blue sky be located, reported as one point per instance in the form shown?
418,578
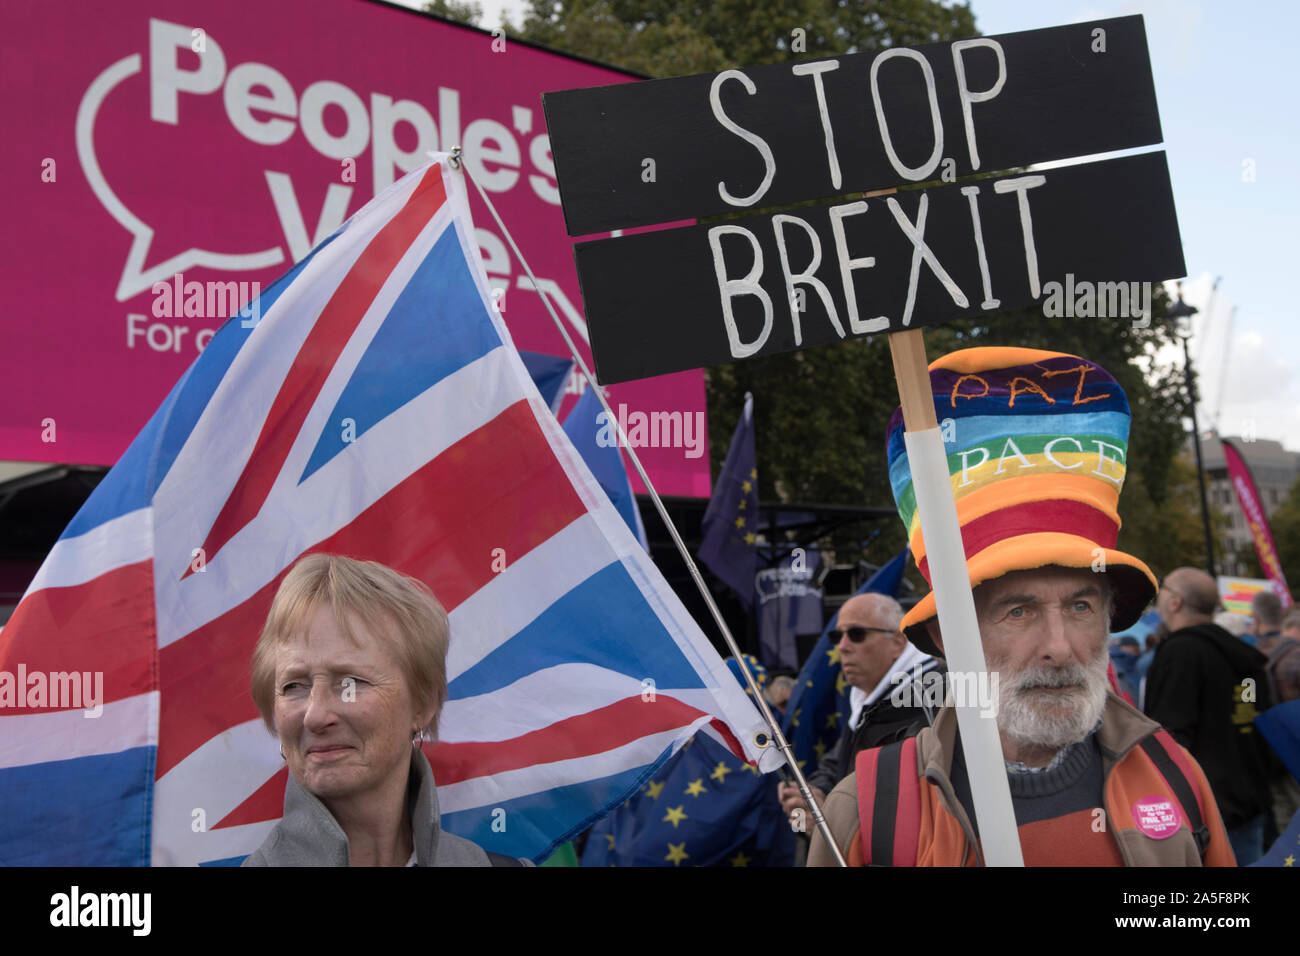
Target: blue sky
1227,90
1225,83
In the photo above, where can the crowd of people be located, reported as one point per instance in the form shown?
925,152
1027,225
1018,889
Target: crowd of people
1114,754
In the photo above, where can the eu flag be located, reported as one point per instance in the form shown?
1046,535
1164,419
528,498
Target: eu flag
703,808
729,547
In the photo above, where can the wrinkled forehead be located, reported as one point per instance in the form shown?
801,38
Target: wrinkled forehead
1040,584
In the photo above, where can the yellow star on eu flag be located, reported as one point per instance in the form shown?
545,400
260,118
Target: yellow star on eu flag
740,860
744,502
1289,861
840,683
675,815
749,538
832,720
677,853
820,748
834,655
753,473
696,787
720,772
653,789
745,486
610,838
740,522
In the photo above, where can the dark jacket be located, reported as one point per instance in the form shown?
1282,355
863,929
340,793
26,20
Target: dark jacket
880,723
308,835
1197,689
1284,670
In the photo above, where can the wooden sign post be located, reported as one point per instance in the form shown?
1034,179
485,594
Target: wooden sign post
864,263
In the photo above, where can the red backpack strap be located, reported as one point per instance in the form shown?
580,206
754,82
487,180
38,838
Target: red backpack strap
1171,761
889,804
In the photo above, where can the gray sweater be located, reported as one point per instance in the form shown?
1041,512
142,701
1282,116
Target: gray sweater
308,835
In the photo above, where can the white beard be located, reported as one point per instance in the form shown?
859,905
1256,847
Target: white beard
1052,719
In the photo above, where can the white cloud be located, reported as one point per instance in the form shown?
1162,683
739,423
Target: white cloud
1248,376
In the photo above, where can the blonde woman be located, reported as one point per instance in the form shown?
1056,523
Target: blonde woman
350,673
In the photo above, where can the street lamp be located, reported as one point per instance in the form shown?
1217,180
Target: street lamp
1182,314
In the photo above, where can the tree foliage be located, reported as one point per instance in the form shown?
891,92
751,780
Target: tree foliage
822,413
462,11
678,37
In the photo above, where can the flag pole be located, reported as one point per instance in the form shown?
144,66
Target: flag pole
455,159
954,602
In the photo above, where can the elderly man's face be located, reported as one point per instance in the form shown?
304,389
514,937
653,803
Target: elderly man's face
866,663
1045,633
344,714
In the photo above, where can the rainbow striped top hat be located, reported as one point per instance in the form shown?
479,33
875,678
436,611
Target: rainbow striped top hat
1037,444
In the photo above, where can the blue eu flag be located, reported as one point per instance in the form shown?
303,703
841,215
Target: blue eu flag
730,546
703,808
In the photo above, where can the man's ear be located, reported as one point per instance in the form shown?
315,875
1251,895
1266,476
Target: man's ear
932,628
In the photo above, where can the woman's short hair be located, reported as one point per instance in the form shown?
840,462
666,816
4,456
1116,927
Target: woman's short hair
391,606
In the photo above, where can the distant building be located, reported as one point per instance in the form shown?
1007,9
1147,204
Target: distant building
1275,470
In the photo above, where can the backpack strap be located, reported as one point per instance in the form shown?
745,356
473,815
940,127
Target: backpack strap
889,804
1168,758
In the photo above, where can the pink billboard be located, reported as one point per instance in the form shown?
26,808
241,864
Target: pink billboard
167,159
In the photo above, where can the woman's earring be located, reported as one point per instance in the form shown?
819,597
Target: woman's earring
282,756
417,739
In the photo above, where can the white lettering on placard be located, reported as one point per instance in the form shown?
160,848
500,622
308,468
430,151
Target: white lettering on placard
838,214
1020,186
970,192
806,277
969,96
815,70
914,173
753,139
730,288
921,251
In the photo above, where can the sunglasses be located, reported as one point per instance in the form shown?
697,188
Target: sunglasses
855,634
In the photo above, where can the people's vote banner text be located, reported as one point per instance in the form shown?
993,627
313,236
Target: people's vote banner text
179,155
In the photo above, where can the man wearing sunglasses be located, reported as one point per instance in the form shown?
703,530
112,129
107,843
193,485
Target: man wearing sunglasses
876,661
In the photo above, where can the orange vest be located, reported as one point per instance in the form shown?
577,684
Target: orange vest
1159,811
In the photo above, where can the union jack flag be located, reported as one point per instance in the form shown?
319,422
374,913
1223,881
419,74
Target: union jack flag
375,408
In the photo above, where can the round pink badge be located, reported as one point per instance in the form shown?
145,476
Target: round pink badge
1157,817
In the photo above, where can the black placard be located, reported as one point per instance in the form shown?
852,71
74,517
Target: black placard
654,302
1067,91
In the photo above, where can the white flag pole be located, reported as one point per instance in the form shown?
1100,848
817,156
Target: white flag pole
756,692
928,462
